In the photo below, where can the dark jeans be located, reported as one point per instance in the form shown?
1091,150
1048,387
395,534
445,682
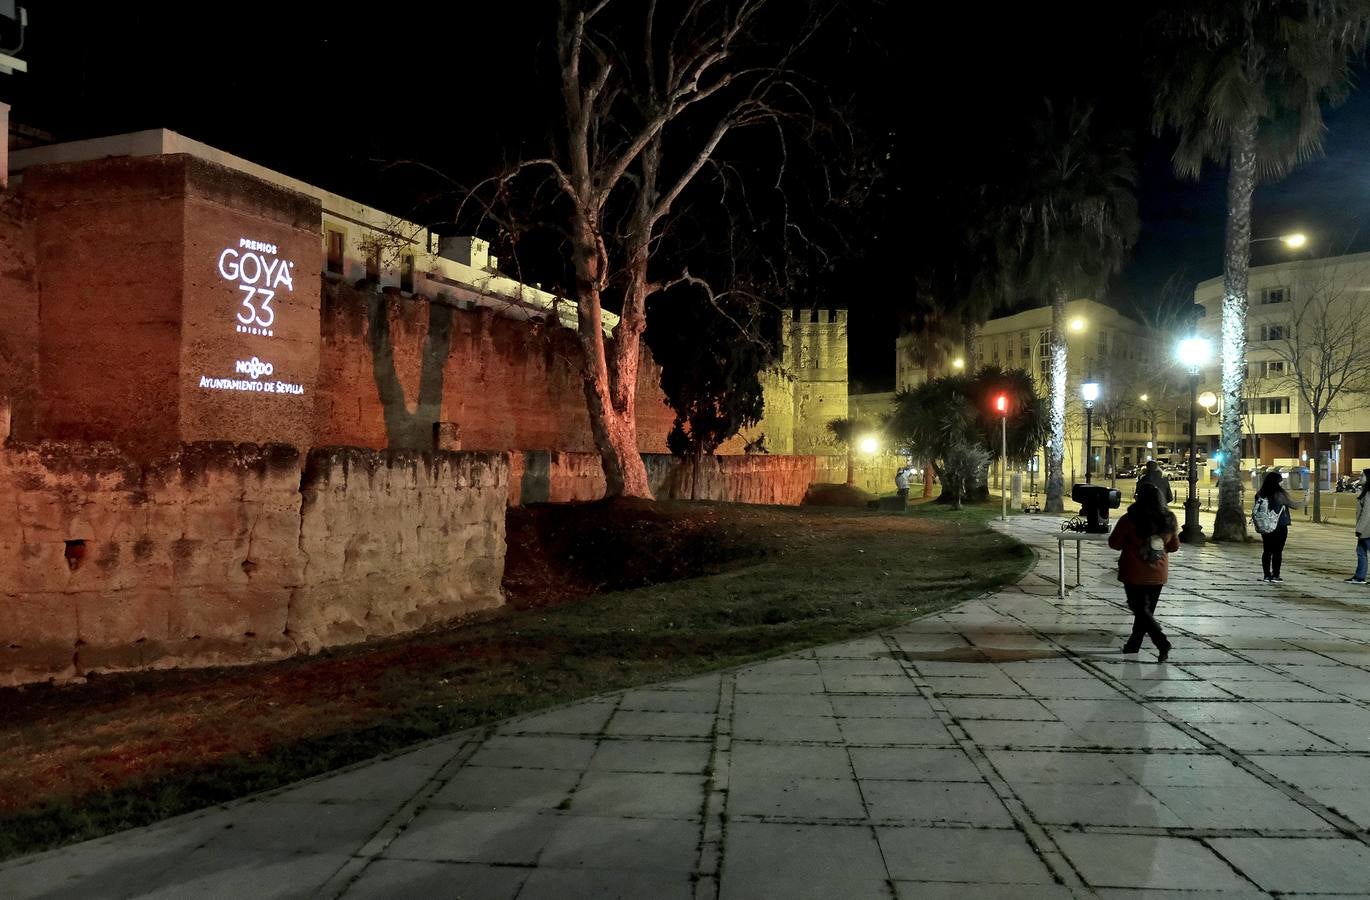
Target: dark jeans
1142,600
1273,554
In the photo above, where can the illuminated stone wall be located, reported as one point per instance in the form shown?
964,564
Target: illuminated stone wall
18,318
218,554
161,281
390,366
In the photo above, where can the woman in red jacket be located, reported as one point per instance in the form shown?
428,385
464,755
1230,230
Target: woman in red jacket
1145,534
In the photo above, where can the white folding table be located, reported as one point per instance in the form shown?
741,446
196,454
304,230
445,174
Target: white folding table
1077,537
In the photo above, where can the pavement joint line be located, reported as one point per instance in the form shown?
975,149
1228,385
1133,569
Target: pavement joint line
708,869
869,820
1342,824
346,875
1056,862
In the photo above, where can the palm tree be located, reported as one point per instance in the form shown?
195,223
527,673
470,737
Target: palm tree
1243,84
1070,221
934,338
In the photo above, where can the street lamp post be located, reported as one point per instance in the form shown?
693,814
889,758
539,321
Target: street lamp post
1001,404
1193,354
1090,392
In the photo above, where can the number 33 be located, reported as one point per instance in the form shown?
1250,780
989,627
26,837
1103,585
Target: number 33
251,315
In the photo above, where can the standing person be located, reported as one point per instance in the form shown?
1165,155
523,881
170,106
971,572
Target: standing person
1362,530
901,482
1154,475
1145,536
1271,518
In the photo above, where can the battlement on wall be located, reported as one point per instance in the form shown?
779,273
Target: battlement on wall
814,344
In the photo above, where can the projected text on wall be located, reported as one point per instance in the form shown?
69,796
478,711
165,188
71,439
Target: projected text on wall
261,278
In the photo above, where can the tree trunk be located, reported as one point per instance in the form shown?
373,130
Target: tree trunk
851,468
611,385
1056,443
613,425
1154,438
694,476
928,475
1230,522
1317,471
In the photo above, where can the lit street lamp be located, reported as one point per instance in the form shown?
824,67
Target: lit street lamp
1090,392
1193,353
1292,241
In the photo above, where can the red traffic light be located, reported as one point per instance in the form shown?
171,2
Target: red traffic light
1001,403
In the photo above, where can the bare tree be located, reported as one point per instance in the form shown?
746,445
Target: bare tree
1116,405
1325,355
649,92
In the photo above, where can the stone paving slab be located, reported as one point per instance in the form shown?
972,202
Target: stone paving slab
1005,748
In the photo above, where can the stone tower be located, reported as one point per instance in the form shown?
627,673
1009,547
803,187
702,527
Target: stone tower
814,352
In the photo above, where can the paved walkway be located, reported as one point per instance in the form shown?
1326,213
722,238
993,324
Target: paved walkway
1003,749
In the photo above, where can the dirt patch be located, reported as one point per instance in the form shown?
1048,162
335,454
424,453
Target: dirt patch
566,551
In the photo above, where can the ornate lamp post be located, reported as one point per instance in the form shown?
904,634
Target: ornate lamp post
1090,392
1193,353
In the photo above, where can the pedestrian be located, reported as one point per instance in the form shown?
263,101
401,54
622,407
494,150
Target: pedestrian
1271,517
901,482
1154,475
1145,536
1362,530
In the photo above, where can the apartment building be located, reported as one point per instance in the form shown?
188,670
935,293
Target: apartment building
1323,300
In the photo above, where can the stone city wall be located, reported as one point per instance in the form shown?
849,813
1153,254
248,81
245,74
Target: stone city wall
390,366
549,477
18,318
220,553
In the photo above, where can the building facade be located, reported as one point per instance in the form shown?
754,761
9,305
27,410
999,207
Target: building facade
1302,318
1137,413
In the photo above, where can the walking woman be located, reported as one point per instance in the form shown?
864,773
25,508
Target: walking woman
1362,530
1271,518
1145,536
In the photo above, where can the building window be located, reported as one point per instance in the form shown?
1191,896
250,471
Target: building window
373,265
1274,368
407,273
1025,347
1275,295
1103,345
1272,332
335,251
1266,406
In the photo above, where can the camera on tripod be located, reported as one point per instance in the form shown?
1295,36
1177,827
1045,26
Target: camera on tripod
1095,501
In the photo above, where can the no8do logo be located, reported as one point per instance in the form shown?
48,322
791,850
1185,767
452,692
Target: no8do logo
260,274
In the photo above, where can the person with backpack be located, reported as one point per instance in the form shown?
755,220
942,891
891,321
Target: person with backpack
1145,536
1271,517
1362,530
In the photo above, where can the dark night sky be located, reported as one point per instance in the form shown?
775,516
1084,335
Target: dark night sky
324,95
